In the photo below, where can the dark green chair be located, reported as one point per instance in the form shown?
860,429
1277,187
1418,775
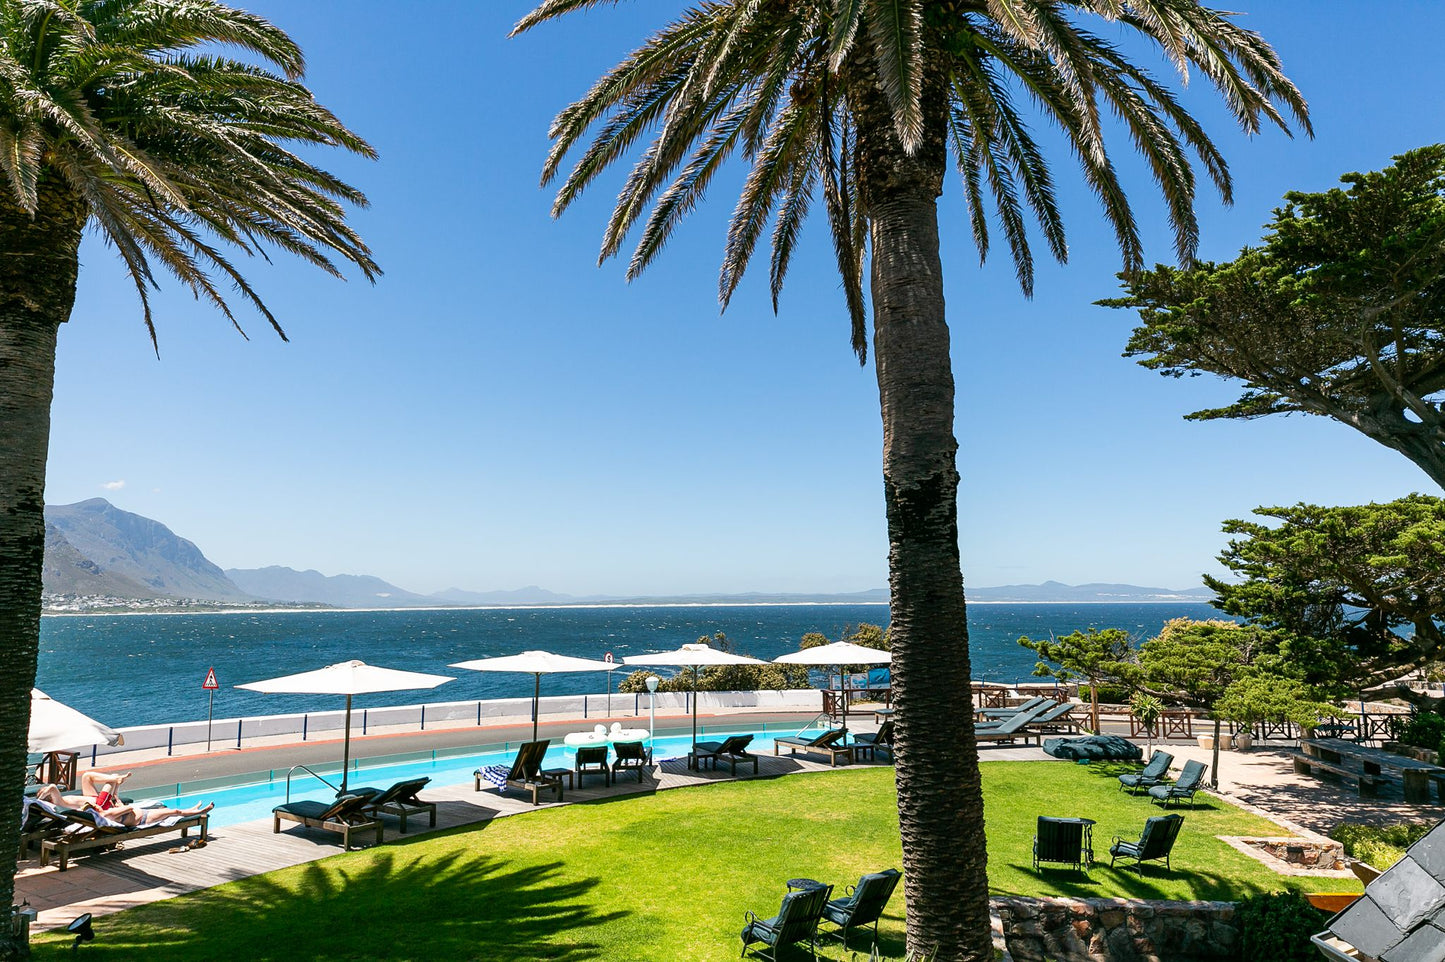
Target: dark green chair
868,743
1156,842
591,760
733,749
1190,778
399,800
1060,840
631,757
796,922
863,903
1152,774
828,743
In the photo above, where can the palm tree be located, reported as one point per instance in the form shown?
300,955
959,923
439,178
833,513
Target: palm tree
865,101
124,116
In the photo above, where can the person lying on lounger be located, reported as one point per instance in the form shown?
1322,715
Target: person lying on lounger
127,815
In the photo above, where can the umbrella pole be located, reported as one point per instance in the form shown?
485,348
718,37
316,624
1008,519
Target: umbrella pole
346,747
692,758
843,684
536,695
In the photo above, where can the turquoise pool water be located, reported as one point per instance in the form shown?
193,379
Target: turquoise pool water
250,801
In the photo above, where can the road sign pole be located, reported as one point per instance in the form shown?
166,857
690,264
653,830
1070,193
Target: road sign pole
210,713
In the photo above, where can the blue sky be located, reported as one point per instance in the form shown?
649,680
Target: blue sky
497,411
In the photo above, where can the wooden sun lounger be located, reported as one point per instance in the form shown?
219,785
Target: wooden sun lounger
345,815
91,834
1013,729
824,744
527,773
399,800
733,749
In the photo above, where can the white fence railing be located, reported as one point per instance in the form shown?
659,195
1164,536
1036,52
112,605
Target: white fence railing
227,732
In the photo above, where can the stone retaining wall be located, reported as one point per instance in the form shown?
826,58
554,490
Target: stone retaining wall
1117,930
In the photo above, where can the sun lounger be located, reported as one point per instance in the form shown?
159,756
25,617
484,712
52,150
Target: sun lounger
796,922
999,713
591,760
345,815
631,757
868,743
1058,718
526,773
733,748
89,830
399,800
1012,729
39,821
862,904
1152,773
824,744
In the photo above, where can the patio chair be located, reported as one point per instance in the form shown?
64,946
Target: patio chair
345,815
631,757
592,760
824,744
526,773
1152,774
734,748
1187,784
399,800
1060,840
92,830
869,742
796,921
862,903
1156,842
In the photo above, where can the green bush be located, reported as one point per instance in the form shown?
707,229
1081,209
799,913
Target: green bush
1424,730
1379,845
1108,694
1277,928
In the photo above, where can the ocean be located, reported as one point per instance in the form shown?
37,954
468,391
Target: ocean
148,669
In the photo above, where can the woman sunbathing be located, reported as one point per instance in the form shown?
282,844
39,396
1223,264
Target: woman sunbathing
126,815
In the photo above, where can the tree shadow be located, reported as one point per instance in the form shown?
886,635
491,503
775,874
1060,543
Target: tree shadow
1126,882
456,906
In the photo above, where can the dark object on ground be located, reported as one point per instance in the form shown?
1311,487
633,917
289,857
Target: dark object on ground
796,922
1095,748
1155,842
1190,778
1152,774
1060,840
862,904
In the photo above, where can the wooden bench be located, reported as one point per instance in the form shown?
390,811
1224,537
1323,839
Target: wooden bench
1366,784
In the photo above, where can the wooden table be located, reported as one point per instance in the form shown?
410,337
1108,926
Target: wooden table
1367,765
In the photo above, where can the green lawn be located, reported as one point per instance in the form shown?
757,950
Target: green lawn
663,877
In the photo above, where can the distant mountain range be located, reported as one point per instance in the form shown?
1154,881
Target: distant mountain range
99,557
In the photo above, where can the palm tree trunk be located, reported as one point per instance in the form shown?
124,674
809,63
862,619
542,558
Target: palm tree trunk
38,266
940,799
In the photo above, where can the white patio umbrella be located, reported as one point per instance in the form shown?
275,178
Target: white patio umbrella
839,654
347,678
55,726
692,656
536,664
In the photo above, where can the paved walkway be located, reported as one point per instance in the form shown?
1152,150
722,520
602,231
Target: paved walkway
147,870
1264,779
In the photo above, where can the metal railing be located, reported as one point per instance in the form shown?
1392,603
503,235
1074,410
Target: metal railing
307,769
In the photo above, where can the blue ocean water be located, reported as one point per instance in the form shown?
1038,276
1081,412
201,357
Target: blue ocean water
148,669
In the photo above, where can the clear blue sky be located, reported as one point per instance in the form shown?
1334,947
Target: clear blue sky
498,412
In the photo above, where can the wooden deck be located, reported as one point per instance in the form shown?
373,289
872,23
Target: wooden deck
148,870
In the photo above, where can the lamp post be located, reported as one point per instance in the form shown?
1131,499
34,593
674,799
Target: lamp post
651,710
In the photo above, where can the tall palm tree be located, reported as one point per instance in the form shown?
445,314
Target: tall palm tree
125,116
865,101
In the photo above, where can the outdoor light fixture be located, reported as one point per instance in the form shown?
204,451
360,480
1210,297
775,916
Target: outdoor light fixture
651,710
82,931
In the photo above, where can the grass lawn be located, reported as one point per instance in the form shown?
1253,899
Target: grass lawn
665,876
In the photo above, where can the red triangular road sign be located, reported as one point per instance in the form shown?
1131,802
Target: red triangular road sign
211,683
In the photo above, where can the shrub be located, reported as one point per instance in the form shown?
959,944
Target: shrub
1108,694
1424,730
1378,845
1277,928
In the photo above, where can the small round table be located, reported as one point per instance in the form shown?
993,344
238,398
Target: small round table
798,884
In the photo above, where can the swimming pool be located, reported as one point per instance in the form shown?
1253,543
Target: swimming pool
253,799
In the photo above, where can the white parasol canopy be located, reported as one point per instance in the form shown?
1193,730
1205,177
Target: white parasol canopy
839,654
55,726
347,678
692,656
537,664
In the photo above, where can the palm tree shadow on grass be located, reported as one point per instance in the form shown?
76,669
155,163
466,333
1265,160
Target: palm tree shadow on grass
455,906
